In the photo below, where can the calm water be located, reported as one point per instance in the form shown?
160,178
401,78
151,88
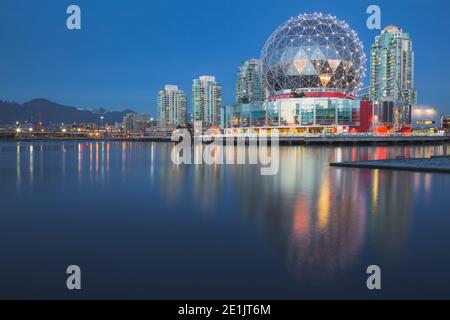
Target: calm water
140,227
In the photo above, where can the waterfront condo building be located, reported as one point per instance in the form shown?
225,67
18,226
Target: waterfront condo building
172,107
392,71
249,88
206,100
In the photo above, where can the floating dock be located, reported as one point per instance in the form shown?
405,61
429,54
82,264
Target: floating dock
439,164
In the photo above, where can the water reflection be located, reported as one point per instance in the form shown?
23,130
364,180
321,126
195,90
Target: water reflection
315,214
390,213
320,219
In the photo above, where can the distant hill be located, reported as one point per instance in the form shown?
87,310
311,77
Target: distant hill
53,113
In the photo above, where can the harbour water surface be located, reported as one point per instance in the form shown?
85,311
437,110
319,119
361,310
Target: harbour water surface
141,227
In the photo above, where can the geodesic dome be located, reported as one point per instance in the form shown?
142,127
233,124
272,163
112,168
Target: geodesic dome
313,51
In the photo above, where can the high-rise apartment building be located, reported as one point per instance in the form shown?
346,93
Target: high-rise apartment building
249,88
206,100
392,69
172,107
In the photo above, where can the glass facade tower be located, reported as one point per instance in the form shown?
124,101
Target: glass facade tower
392,68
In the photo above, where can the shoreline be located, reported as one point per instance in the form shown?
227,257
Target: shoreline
338,140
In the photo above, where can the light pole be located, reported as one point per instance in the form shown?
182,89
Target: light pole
18,128
374,121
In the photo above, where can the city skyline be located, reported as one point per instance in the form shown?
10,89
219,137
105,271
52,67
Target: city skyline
75,87
258,150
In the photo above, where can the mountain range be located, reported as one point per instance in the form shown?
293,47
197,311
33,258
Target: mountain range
48,112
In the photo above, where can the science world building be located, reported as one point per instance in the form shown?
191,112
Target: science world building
311,69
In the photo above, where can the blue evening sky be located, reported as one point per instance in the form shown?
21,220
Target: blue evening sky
127,50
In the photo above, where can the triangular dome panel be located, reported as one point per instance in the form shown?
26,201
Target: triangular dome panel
334,64
301,55
317,54
300,65
291,70
309,69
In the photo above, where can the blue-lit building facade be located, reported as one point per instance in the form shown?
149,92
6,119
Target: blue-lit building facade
306,114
